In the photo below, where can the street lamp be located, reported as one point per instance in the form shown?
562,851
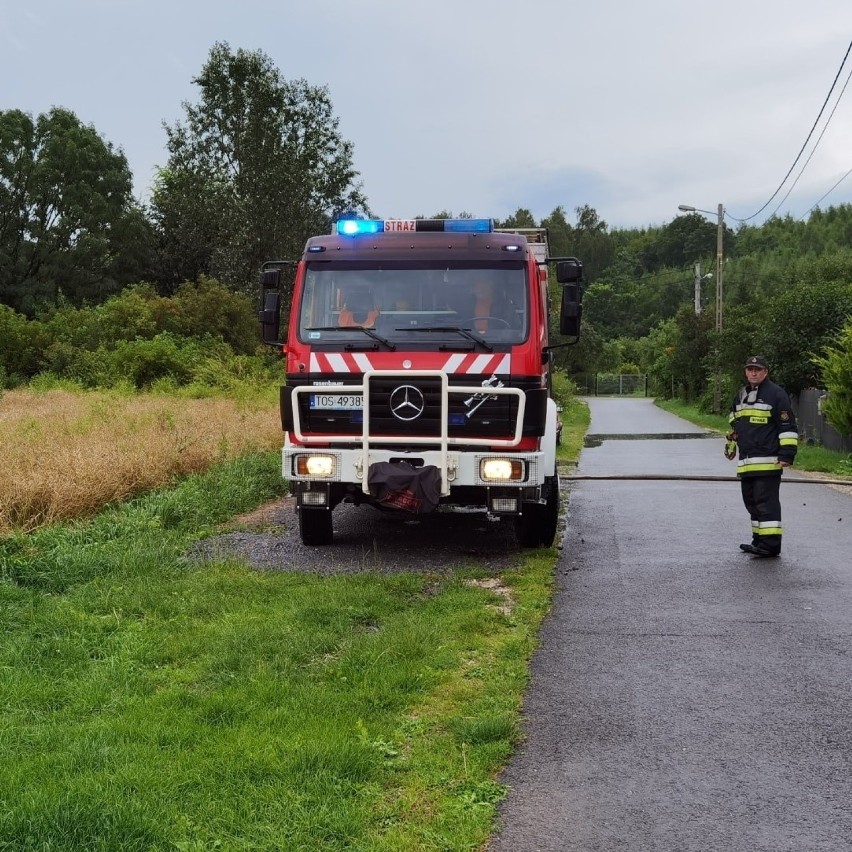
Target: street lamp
720,233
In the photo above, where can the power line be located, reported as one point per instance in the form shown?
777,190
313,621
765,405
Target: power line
827,194
810,156
799,155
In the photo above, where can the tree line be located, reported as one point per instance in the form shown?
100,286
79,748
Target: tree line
787,295
258,164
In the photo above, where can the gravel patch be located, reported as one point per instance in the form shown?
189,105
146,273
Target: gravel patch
365,539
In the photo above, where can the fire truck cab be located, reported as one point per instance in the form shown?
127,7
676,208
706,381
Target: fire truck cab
417,371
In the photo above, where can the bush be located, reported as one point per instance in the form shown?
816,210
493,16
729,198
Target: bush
836,367
198,310
130,315
205,335
564,388
142,362
21,345
207,308
138,363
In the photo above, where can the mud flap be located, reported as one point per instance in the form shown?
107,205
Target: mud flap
536,527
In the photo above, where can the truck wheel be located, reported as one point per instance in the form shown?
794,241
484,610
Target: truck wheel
315,526
536,527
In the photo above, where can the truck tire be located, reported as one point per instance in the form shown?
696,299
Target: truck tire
315,526
536,527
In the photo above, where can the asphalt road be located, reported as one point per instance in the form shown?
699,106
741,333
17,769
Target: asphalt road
685,695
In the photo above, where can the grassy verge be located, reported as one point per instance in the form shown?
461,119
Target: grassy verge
817,459
148,703
575,424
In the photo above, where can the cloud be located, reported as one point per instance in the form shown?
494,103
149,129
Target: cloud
485,105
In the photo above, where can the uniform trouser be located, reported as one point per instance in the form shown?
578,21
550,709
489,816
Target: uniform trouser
761,498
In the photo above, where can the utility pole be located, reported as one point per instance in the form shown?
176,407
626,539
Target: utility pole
720,234
720,251
697,289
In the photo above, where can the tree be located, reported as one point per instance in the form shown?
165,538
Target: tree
68,225
591,243
656,357
689,238
800,322
836,366
691,354
521,218
584,356
258,166
559,233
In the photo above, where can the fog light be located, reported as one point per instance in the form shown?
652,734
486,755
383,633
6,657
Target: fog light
504,505
313,498
315,465
501,470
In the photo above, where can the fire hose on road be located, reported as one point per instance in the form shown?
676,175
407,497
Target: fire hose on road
641,477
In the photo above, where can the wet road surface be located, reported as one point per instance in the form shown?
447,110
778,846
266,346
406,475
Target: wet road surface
687,696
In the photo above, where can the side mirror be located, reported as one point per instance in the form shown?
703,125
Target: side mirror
269,316
569,271
270,279
571,310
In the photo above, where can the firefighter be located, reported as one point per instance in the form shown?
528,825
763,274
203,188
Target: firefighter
359,308
490,307
763,430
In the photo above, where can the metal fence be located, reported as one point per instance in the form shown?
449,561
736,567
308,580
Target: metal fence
813,427
612,384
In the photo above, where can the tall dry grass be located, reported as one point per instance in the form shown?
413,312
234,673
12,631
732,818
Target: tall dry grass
65,455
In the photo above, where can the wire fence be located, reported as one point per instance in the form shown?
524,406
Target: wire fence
813,427
612,384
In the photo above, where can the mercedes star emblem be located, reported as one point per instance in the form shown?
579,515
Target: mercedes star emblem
407,403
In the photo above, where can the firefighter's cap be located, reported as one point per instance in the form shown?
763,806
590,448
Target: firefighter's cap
756,361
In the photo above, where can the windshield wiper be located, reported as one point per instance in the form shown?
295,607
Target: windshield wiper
464,332
368,331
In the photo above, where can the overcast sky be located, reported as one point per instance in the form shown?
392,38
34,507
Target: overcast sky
484,106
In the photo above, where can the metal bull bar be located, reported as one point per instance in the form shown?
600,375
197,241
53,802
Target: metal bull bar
409,439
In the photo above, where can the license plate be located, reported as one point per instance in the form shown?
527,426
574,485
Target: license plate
336,401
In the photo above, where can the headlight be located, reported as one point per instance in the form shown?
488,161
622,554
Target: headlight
314,465
501,470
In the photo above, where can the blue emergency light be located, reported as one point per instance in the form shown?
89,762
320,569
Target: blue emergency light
354,227
351,227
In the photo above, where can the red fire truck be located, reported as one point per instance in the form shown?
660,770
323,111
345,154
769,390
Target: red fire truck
418,371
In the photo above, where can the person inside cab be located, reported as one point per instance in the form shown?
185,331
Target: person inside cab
358,308
490,308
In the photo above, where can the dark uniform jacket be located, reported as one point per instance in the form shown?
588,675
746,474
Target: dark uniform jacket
765,428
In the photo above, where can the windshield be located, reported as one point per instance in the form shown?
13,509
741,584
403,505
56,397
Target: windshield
400,304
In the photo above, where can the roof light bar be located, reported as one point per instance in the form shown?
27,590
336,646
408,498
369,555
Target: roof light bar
354,227
351,227
469,226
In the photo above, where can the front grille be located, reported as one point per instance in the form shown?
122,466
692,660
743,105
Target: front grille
470,415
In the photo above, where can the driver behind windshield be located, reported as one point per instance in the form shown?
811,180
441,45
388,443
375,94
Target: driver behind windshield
491,308
359,308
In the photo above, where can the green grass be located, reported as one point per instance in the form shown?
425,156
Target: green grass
809,458
716,422
575,424
149,703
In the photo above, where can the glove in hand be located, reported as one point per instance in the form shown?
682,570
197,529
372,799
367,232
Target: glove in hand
730,450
